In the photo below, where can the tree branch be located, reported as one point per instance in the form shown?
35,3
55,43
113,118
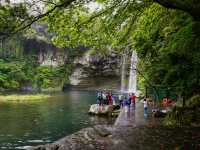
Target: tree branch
99,14
190,6
29,21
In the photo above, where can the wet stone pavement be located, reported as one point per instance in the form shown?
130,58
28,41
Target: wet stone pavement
133,130
133,116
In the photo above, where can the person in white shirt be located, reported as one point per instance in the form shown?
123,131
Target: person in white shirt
145,106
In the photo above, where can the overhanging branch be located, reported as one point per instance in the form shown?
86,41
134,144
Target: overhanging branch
190,6
29,21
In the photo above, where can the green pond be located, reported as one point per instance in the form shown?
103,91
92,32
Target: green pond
25,124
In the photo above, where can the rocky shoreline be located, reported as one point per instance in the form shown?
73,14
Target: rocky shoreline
131,131
88,139
102,137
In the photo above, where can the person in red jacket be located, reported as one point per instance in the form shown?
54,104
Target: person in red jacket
133,99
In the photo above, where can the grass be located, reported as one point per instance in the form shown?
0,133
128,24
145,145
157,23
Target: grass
18,97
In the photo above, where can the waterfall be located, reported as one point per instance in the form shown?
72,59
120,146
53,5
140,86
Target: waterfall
132,76
123,73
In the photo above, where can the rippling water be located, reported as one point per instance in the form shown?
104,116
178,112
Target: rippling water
32,123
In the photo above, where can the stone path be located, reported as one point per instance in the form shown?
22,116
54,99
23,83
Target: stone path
132,117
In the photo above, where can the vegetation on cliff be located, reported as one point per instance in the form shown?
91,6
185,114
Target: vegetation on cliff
27,73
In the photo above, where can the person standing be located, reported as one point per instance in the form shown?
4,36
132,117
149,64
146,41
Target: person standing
114,100
129,98
104,98
145,106
110,98
133,99
126,104
120,97
99,98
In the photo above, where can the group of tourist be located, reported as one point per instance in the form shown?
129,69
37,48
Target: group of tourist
123,100
107,98
130,100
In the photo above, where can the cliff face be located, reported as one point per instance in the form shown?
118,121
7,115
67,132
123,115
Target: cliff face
91,70
46,53
39,44
87,65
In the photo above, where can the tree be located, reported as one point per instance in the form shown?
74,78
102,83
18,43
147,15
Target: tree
25,19
165,43
109,27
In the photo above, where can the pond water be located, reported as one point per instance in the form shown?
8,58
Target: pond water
31,123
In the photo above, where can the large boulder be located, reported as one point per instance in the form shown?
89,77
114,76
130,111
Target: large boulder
96,109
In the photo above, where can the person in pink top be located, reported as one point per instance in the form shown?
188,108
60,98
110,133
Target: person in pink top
110,98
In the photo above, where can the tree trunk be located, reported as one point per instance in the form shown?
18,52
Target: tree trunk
190,6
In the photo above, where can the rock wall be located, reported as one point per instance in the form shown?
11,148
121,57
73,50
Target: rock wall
89,68
47,53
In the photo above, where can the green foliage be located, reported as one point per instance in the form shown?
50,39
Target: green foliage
48,76
178,117
165,43
12,18
163,39
11,74
184,115
194,101
109,27
44,75
16,73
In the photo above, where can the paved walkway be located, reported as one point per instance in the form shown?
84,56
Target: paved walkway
132,117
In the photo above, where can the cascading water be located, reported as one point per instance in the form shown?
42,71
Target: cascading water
132,77
123,73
